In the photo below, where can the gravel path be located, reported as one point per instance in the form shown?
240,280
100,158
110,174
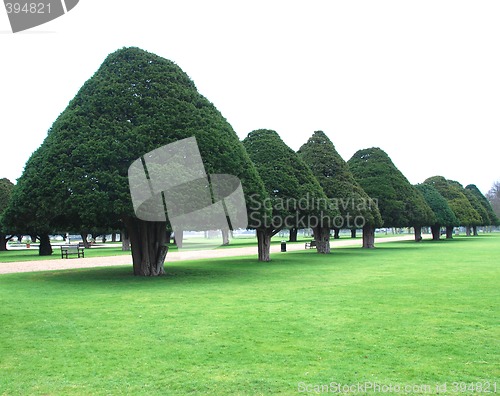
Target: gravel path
60,264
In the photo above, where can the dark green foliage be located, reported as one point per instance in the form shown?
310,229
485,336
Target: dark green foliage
30,209
6,187
338,182
400,203
476,204
489,218
439,205
134,103
458,202
293,190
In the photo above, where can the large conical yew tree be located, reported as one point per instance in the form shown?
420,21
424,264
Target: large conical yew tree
136,102
492,219
296,197
453,192
399,202
28,211
439,205
356,208
479,208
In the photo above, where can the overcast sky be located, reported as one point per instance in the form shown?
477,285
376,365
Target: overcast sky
419,79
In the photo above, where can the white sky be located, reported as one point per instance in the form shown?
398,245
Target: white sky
420,79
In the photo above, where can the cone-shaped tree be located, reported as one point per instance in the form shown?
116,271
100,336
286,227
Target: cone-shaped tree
296,197
439,205
27,211
399,202
356,208
6,187
476,200
492,220
481,211
458,202
136,102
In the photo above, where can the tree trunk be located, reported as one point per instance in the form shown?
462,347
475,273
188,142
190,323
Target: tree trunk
293,235
449,232
125,241
474,231
418,233
86,243
336,232
353,233
113,237
149,246
178,237
33,238
468,231
3,242
368,237
436,233
264,243
322,238
45,246
225,236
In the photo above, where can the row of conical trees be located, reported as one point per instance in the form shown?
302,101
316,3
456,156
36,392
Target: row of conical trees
366,192
137,101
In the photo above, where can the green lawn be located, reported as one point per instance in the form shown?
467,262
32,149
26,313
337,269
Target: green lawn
404,313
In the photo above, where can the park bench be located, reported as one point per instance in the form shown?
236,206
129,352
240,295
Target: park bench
311,245
67,250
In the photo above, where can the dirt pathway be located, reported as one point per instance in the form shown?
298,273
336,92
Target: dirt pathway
60,264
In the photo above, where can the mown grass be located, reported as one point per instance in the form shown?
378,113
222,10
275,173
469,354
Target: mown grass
404,313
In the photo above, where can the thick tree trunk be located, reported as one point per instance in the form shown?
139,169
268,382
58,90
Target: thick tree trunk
368,237
436,233
149,246
468,231
322,238
474,231
3,242
45,246
293,235
125,241
86,243
353,233
449,232
418,233
113,237
225,236
264,243
336,233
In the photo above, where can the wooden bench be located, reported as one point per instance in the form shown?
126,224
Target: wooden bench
67,250
311,245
